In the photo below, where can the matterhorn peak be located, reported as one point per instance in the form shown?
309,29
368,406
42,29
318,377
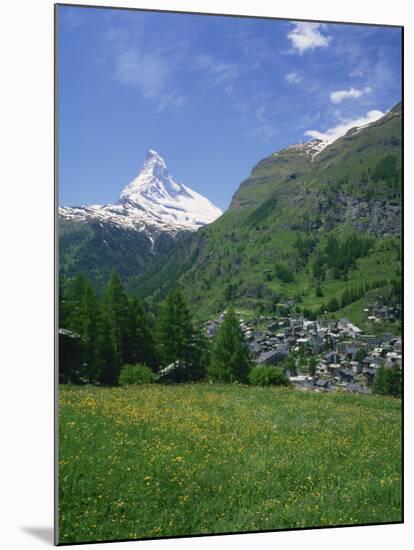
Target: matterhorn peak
152,201
153,155
154,160
153,181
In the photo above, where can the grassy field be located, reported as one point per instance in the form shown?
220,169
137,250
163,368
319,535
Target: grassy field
178,460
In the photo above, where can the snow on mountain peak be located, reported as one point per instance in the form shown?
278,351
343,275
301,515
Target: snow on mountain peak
155,164
152,182
152,201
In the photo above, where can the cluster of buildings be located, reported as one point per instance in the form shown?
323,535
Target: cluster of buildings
380,312
345,356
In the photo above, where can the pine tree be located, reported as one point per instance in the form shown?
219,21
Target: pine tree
380,385
388,381
117,312
143,347
395,381
81,315
72,297
231,358
173,329
109,371
178,340
90,328
200,356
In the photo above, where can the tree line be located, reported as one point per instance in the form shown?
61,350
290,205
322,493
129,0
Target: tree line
101,334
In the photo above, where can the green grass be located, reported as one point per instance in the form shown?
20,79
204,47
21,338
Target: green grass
180,460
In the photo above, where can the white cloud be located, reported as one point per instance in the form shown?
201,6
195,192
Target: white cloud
150,74
307,36
294,78
336,132
340,95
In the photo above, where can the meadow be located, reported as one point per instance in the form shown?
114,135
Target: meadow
153,461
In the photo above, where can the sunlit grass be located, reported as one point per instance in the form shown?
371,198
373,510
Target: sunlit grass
179,460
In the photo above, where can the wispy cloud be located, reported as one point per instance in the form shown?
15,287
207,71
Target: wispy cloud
339,95
223,74
336,132
294,78
150,73
140,63
308,36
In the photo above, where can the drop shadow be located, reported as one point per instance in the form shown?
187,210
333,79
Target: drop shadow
42,533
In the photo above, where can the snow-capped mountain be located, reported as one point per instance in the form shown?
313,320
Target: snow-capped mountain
151,203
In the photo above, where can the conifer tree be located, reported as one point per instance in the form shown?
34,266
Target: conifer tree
143,347
117,312
199,356
380,385
72,298
81,315
230,358
388,381
174,329
90,330
178,340
109,372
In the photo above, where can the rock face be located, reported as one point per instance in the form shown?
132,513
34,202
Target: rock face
378,217
153,211
351,179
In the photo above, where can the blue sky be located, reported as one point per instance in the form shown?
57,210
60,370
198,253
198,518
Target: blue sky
213,95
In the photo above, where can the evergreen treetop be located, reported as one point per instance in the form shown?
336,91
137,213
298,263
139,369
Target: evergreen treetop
231,358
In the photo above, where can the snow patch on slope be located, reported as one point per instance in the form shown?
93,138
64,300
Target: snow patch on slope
310,148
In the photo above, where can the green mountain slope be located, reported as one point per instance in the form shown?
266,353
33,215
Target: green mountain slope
304,227
96,249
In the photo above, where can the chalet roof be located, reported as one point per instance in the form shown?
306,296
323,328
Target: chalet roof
321,383
267,355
